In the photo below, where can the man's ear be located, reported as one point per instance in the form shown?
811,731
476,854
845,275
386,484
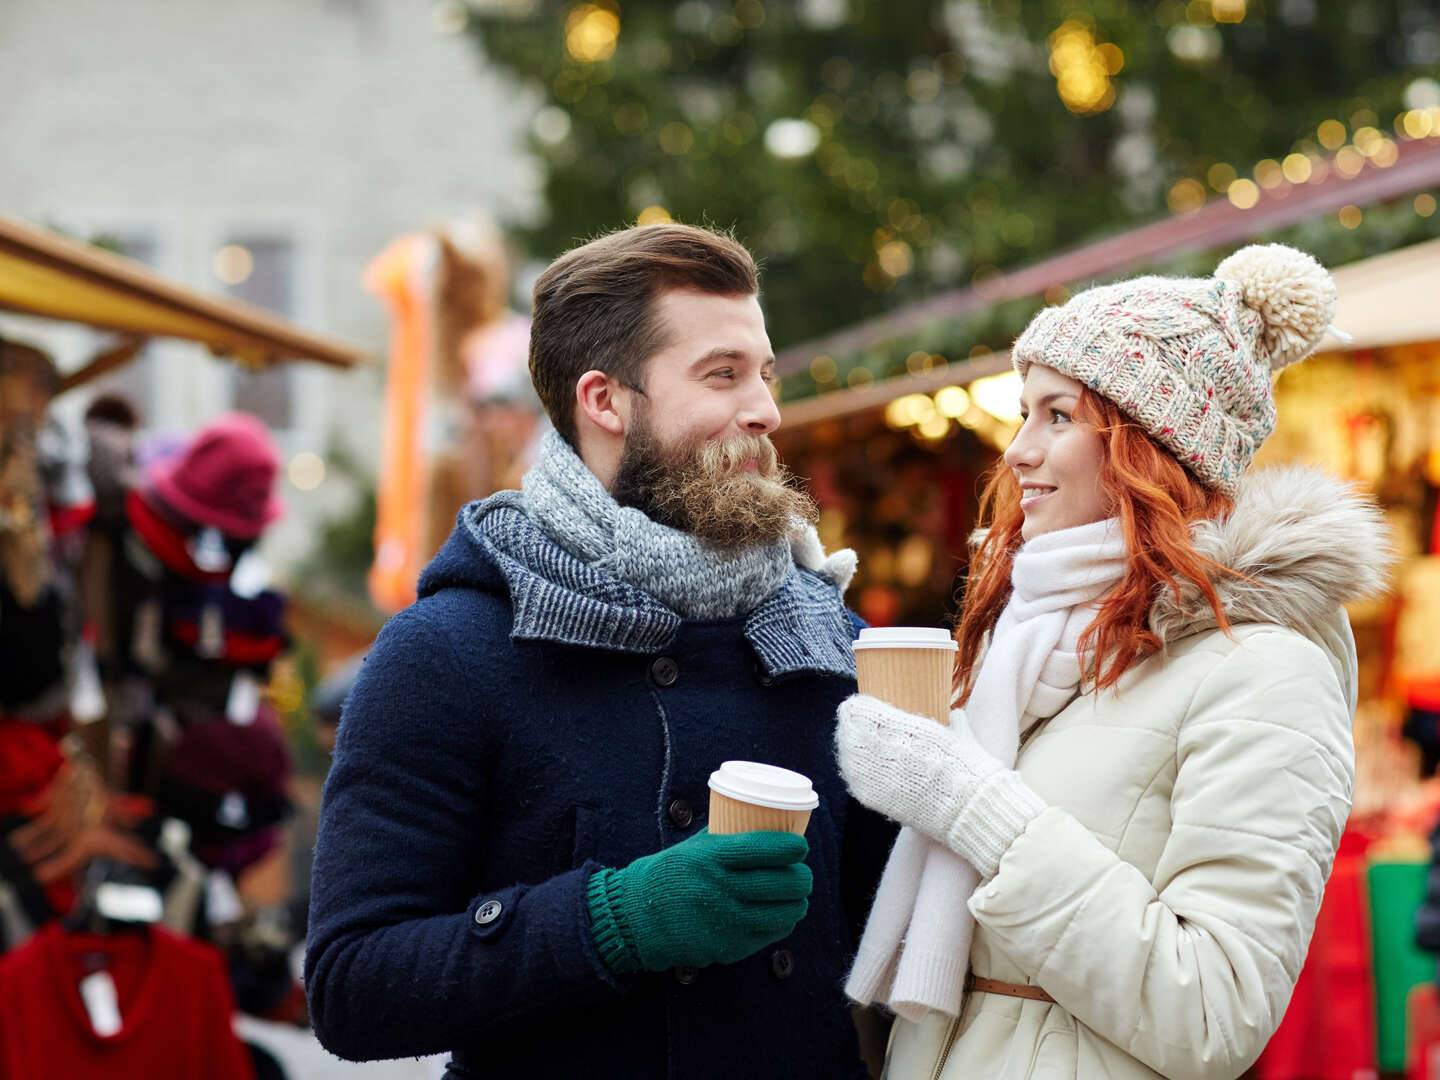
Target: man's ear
598,399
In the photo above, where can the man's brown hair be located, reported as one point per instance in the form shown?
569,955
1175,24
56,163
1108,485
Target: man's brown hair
594,306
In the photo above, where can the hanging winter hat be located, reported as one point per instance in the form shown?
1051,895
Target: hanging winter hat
1192,359
223,477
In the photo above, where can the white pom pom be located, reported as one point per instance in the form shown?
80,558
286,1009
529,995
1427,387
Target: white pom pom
1293,293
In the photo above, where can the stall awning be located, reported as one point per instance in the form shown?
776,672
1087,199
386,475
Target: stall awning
52,276
1390,299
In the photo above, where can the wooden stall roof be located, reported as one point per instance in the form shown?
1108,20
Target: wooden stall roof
43,273
1388,299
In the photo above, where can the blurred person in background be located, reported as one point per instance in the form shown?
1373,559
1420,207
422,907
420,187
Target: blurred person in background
1130,820
512,861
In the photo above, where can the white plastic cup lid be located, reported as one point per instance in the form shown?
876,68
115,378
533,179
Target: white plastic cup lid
764,785
906,637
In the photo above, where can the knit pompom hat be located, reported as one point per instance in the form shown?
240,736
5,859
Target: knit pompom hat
1191,359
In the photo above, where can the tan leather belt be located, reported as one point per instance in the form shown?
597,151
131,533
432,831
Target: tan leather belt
995,986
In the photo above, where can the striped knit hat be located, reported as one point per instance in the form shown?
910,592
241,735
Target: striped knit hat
1191,359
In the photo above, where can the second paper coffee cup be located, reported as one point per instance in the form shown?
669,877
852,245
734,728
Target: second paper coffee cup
911,667
748,795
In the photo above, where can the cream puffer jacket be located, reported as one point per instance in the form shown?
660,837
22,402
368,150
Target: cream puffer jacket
1167,896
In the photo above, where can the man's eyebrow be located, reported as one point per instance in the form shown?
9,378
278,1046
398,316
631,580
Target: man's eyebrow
724,352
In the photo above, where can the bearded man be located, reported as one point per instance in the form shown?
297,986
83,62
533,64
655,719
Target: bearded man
512,863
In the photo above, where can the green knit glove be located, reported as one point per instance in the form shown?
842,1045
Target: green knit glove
706,900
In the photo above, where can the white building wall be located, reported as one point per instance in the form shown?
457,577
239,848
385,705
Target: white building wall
336,123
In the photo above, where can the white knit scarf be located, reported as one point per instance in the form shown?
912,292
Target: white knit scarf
915,951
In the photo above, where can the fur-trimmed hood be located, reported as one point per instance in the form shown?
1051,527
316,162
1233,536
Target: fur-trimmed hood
1303,542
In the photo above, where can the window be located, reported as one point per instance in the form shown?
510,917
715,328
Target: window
260,269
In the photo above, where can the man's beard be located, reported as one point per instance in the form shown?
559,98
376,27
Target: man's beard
701,487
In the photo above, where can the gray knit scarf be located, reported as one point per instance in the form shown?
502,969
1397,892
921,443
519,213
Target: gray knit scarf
691,578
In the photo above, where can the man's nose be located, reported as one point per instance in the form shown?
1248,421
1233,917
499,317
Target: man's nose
760,415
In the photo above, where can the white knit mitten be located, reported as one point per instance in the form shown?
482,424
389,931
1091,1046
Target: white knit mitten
939,781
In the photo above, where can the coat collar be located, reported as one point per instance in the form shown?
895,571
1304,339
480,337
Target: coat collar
1300,542
802,628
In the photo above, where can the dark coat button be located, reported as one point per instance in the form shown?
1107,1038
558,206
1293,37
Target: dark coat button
686,975
488,912
681,814
782,963
664,671
763,677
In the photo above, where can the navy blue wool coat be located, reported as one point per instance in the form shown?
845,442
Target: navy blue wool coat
528,720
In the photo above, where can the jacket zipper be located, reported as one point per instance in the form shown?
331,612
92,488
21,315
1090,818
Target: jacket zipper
950,1035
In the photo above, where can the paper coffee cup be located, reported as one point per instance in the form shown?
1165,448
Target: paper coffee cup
911,667
748,795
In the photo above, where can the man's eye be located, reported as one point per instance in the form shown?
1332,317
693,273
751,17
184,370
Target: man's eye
722,373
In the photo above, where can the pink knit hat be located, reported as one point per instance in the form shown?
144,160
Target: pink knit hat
1191,360
223,477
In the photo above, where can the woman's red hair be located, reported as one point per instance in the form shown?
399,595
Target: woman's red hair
1157,502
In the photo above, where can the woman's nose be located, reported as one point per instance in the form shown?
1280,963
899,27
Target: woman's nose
1023,450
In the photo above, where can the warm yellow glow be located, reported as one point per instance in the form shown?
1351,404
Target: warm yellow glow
1366,139
1183,197
233,264
307,471
654,215
909,410
822,369
936,427
591,33
1350,216
1243,194
859,377
952,401
1349,161
917,361
1268,173
1331,134
895,258
1220,176
1296,168
1228,11
1082,68
999,395
1424,204
913,559
1385,153
1417,123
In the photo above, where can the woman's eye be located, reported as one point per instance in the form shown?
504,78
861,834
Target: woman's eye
1060,417
767,376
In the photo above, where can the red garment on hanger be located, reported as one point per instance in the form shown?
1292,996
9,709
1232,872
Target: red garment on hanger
29,760
1329,1028
174,1000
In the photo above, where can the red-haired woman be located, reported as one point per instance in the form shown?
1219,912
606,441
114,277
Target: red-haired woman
1113,857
